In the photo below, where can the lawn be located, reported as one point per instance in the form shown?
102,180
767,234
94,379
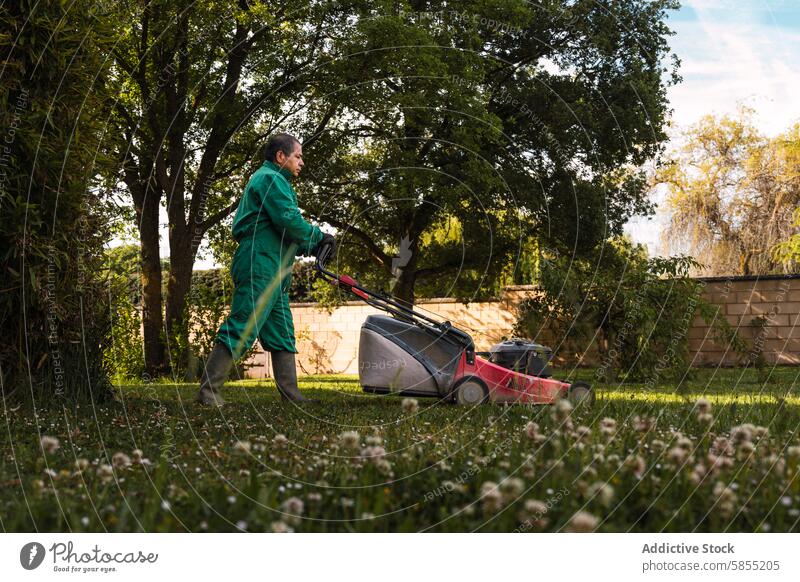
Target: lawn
719,452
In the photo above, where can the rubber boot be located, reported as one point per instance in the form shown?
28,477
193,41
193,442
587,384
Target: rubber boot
216,371
285,372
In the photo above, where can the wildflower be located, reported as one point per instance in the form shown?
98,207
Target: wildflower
703,406
138,455
350,439
280,441
582,522
373,453
608,427
294,507
746,449
410,405
531,430
562,409
722,446
491,497
643,423
603,492
242,525
81,464
684,443
512,488
120,460
793,452
705,418
374,440
582,432
636,464
742,433
384,467
677,455
105,472
726,498
314,497
49,444
533,514
242,447
698,473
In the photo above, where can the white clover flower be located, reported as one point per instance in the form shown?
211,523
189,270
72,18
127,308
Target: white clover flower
374,440
512,488
742,433
582,522
531,430
535,508
350,439
643,423
703,406
242,447
373,453
603,492
280,441
138,455
49,444
636,464
491,497
81,464
705,418
410,405
120,460
105,472
293,506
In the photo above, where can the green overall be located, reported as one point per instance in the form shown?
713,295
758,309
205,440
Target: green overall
270,231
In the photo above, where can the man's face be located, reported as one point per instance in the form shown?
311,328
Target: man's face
293,162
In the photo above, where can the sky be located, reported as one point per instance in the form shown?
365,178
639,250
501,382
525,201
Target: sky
732,52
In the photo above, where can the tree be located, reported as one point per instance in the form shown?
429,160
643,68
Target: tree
201,85
461,135
731,192
635,310
53,222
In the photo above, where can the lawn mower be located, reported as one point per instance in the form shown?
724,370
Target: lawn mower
408,352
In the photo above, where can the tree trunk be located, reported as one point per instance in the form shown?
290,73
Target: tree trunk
404,287
152,320
181,261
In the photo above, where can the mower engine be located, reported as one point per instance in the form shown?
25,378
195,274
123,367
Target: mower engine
522,356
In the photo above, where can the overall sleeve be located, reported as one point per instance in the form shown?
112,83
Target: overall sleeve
281,206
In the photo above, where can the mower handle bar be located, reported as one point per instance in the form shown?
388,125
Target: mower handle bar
382,301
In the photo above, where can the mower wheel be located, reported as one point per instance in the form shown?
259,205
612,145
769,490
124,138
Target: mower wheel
470,391
581,393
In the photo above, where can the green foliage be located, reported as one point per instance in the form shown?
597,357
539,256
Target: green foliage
454,142
53,219
635,310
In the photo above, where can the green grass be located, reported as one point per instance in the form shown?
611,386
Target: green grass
439,470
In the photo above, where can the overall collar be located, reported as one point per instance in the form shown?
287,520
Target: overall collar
285,172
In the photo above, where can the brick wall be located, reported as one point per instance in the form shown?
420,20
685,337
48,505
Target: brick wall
328,342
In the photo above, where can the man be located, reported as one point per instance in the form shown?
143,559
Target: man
270,231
